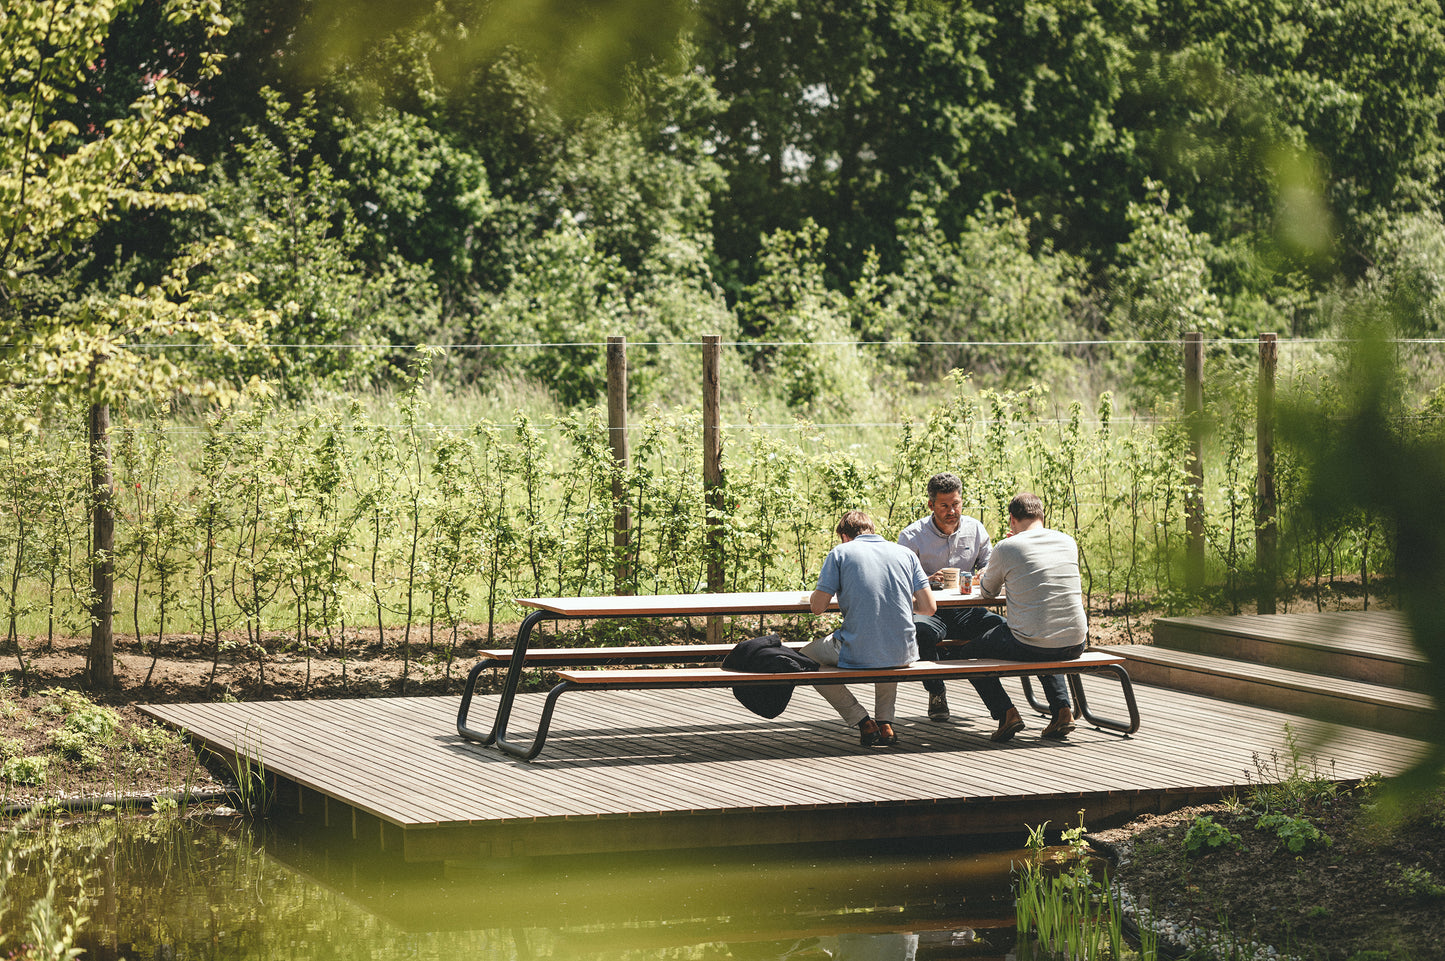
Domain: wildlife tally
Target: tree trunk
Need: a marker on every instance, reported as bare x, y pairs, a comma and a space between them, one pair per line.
101, 664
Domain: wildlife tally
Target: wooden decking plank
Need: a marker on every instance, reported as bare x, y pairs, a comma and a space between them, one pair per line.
1373, 633
1284, 677
316, 756
373, 764
331, 749
630, 754
672, 781
312, 769
422, 765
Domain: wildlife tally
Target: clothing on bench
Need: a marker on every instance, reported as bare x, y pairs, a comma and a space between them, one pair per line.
766, 655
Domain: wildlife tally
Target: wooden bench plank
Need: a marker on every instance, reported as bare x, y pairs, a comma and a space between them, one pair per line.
1090, 662
917, 671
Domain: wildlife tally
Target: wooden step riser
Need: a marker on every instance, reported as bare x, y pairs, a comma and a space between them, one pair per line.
1396, 719
1358, 667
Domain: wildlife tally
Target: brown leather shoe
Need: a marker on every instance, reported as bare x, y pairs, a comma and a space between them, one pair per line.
1008, 725
867, 732
1061, 726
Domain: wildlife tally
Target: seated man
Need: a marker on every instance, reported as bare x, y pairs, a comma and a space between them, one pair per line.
1039, 569
879, 587
947, 538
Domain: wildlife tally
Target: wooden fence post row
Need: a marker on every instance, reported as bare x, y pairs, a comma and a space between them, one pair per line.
1265, 511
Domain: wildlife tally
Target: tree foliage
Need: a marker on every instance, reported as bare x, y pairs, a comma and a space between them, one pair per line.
62, 180
957, 172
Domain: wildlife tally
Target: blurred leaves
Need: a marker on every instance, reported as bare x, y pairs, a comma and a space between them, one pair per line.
581, 47
1367, 455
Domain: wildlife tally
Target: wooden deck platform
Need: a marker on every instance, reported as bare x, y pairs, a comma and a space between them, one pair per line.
674, 769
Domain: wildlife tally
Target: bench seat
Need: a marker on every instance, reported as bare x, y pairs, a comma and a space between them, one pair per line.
662, 678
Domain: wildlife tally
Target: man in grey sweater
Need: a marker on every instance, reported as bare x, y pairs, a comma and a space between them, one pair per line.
1039, 569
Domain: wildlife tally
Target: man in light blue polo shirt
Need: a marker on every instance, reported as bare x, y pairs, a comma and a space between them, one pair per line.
879, 586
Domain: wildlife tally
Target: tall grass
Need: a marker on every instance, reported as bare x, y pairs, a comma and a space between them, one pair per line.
1063, 911
258, 528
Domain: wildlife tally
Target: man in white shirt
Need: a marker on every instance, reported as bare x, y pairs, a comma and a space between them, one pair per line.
947, 538
1039, 569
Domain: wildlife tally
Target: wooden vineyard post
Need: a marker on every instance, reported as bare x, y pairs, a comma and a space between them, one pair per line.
101, 660
1266, 516
621, 464
1194, 496
712, 474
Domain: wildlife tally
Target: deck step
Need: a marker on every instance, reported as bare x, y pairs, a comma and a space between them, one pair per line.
1343, 700
1368, 646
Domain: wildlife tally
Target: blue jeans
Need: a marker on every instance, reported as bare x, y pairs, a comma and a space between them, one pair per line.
998, 641
955, 624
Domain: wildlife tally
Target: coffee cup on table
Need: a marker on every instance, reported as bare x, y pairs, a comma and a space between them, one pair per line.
947, 578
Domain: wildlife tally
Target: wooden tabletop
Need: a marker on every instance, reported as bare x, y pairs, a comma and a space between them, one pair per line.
691, 605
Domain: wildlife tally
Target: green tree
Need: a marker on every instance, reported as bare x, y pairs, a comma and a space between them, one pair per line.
297, 236
990, 283
419, 199
1162, 291
60, 183
812, 349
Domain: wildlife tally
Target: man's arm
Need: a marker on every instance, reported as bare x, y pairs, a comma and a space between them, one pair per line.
923, 602
908, 538
991, 578
818, 601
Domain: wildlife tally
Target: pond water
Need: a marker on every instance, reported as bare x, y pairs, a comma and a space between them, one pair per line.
177, 889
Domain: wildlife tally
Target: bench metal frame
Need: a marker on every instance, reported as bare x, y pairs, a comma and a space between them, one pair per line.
943, 670
1093, 662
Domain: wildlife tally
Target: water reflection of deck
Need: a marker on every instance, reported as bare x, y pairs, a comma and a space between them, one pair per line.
633, 771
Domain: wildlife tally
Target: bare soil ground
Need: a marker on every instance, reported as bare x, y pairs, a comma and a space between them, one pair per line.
1374, 892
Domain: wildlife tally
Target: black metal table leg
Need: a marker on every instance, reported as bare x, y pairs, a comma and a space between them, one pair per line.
544, 724
1081, 702
509, 686
1038, 706
1076, 681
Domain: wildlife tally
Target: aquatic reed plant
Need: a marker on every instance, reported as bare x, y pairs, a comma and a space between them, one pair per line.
50, 918
1063, 911
253, 794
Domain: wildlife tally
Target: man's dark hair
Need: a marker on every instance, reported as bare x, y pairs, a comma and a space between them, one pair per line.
1026, 507
944, 483
853, 523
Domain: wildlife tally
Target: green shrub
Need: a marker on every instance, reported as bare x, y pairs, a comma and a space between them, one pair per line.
1415, 883
1291, 782
75, 744
99, 724
1296, 834
1206, 835
29, 769
152, 740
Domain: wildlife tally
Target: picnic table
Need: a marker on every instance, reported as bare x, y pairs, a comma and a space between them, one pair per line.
626, 607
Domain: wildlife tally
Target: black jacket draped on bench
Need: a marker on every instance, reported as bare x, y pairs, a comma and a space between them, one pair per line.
766, 655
